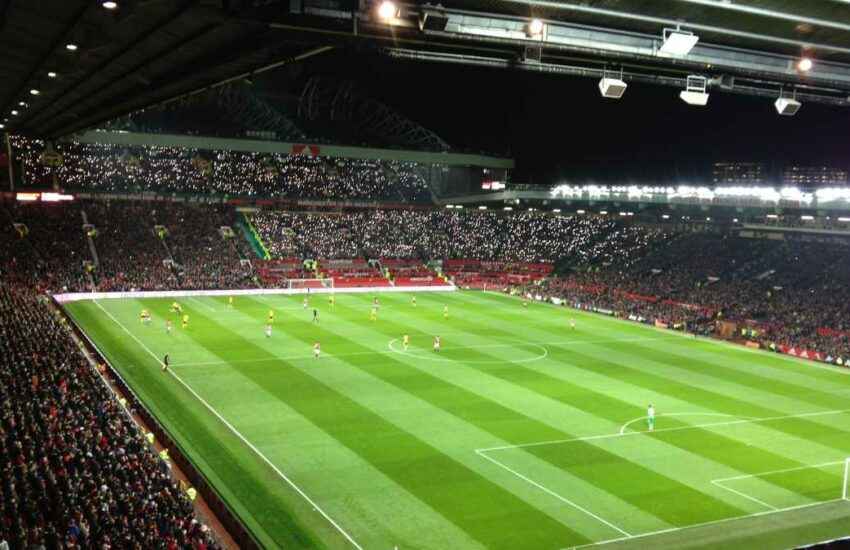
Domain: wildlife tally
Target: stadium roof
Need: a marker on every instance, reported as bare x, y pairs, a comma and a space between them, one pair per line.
149, 51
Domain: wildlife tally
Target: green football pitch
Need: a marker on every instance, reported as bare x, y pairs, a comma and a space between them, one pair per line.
520, 433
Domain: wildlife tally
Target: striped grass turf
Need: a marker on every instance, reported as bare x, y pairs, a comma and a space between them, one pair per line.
520, 433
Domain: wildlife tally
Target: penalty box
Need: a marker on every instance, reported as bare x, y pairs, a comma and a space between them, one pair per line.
632, 483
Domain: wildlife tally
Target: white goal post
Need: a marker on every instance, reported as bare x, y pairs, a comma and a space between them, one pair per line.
308, 284
846, 478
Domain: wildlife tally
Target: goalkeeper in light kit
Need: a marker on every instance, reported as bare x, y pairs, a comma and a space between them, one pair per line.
650, 417
436, 343
317, 350
268, 331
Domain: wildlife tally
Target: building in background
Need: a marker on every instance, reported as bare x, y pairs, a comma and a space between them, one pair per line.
739, 173
813, 176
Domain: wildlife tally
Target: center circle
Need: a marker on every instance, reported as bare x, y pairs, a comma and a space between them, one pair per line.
435, 356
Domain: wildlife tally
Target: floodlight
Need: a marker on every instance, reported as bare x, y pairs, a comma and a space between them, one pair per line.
14, 112
52, 74
805, 64
612, 88
678, 42
110, 5
534, 28
482, 207
2, 126
694, 92
71, 47
34, 91
387, 10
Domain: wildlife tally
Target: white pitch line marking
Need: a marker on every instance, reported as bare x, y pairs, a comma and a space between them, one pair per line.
662, 430
556, 495
237, 434
705, 523
627, 424
742, 494
771, 472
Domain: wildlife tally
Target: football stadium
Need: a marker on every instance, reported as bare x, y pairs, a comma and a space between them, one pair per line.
369, 274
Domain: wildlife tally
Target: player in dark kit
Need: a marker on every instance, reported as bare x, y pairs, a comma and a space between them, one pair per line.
315, 315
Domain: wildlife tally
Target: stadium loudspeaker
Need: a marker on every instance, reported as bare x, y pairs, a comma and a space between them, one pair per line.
613, 88
787, 106
433, 20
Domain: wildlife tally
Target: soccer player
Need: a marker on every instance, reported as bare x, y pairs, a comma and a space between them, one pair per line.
375, 302
373, 314
165, 363
317, 349
650, 417
413, 301
268, 331
315, 315
145, 317
270, 317
306, 302
185, 323
168, 326
525, 303
436, 343
445, 312
573, 324
176, 308
230, 302
332, 300
405, 341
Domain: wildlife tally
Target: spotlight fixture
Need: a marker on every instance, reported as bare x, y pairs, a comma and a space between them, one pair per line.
611, 87
387, 10
110, 5
35, 91
2, 126
694, 92
787, 106
805, 64
22, 104
677, 42
534, 28
14, 112
71, 47
52, 74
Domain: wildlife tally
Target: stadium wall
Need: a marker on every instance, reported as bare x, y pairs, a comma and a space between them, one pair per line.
76, 296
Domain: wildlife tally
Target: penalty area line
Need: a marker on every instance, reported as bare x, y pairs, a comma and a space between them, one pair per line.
250, 445
706, 523
556, 495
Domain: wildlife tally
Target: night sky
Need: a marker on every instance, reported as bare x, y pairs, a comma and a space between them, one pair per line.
559, 128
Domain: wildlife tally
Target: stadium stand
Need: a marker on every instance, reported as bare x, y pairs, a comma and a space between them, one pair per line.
77, 471
113, 169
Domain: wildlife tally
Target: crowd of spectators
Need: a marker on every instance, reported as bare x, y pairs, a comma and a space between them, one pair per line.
161, 169
442, 234
50, 244
75, 470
